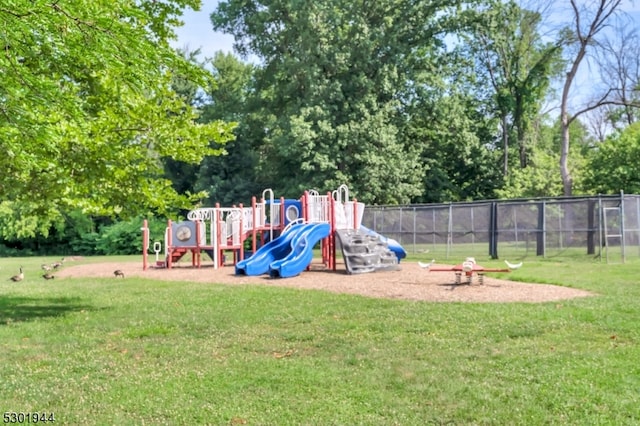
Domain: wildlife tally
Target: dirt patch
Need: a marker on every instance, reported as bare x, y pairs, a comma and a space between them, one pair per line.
411, 282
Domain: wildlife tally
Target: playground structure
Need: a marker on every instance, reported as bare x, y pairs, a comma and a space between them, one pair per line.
280, 234
469, 268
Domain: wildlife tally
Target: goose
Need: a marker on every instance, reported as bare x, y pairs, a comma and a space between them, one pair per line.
48, 276
118, 273
18, 277
513, 265
45, 267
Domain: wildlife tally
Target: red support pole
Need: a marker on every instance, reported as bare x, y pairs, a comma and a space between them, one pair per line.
218, 237
305, 206
169, 245
332, 250
355, 214
145, 245
254, 231
241, 234
198, 242
281, 225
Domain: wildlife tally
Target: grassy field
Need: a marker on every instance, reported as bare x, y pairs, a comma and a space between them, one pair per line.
136, 351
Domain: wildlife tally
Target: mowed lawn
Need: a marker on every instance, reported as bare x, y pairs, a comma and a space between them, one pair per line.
137, 351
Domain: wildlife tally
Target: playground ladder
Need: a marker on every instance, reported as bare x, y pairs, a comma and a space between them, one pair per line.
616, 233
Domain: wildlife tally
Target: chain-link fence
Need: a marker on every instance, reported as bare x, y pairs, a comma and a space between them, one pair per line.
604, 226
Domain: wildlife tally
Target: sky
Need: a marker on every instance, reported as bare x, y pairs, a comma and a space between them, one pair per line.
197, 32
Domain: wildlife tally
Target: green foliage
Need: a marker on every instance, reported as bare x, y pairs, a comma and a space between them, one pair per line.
541, 177
120, 238
231, 178
85, 244
458, 165
330, 91
87, 109
512, 55
613, 165
17, 219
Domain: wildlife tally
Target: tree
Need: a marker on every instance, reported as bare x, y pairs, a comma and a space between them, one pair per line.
621, 66
541, 179
231, 178
459, 167
511, 54
332, 82
87, 109
610, 170
450, 120
587, 32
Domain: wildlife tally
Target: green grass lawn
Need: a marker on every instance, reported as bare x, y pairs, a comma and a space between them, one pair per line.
137, 351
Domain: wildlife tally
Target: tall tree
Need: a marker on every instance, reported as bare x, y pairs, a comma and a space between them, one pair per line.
621, 66
182, 174
586, 34
332, 81
512, 55
87, 108
231, 178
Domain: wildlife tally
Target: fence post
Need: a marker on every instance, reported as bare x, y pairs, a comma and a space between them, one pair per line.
591, 224
622, 228
540, 246
493, 231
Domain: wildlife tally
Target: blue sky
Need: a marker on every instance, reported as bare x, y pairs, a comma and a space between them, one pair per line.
197, 32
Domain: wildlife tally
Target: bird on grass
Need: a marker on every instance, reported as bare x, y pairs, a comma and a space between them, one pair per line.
45, 267
18, 277
118, 273
48, 276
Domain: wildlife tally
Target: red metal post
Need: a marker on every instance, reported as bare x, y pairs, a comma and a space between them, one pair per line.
145, 245
196, 255
355, 214
254, 231
169, 245
242, 238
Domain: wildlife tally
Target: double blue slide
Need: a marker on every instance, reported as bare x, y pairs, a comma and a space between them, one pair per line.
288, 255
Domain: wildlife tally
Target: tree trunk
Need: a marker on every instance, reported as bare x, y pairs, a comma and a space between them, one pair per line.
567, 181
505, 140
600, 16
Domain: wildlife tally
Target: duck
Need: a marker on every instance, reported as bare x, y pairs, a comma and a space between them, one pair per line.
118, 273
18, 277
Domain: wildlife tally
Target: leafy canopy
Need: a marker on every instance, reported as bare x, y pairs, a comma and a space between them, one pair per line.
87, 109
613, 165
332, 83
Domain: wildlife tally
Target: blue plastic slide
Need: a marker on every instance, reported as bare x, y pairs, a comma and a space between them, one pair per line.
275, 249
392, 244
301, 253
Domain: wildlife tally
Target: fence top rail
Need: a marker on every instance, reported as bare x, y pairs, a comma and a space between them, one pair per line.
559, 200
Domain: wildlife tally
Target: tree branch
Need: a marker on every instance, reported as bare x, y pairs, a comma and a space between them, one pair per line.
15, 14
602, 102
